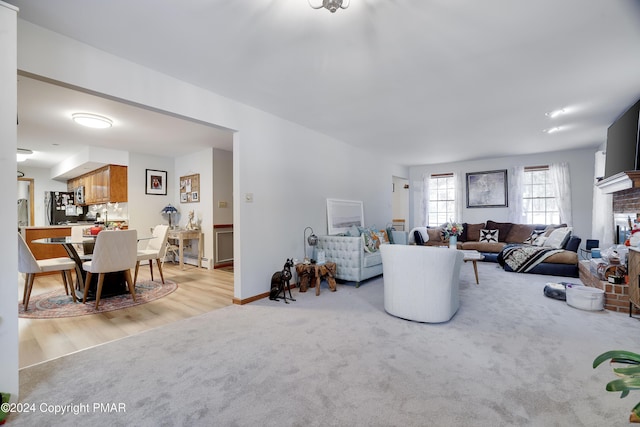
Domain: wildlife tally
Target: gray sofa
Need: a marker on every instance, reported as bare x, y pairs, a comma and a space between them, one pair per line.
353, 263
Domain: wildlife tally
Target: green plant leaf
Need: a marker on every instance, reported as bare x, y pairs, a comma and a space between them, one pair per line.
620, 356
624, 385
633, 371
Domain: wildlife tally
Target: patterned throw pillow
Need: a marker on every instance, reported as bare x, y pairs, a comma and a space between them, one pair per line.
370, 244
535, 234
489, 236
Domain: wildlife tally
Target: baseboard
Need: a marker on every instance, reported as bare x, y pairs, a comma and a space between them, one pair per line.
250, 299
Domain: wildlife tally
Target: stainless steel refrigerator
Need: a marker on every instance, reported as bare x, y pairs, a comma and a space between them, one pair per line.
61, 208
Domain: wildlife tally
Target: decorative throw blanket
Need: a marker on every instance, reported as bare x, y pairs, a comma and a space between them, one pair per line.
522, 258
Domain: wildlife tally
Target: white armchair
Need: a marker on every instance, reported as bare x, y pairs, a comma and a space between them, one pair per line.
421, 282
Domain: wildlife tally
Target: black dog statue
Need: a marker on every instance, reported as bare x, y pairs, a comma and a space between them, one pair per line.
280, 282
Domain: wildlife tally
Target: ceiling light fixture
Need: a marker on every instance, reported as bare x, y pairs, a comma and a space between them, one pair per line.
92, 120
22, 154
332, 5
552, 130
556, 113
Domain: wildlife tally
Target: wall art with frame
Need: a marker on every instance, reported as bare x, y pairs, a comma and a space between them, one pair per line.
156, 182
344, 214
487, 189
190, 188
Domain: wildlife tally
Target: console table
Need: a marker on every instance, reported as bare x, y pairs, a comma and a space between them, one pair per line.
181, 236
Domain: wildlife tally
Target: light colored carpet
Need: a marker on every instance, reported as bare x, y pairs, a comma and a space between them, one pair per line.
510, 357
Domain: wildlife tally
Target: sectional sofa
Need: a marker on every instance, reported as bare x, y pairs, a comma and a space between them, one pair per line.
560, 263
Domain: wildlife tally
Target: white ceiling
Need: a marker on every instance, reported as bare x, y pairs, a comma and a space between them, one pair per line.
416, 81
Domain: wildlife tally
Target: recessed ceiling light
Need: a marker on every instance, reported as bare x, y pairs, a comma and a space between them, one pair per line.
92, 120
552, 130
556, 113
22, 154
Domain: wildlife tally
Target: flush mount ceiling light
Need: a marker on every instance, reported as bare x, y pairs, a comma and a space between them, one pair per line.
92, 120
556, 113
22, 154
552, 130
332, 5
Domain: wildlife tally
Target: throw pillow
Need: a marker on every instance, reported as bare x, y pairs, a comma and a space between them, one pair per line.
558, 237
489, 236
435, 234
418, 237
504, 228
390, 234
533, 237
540, 240
383, 237
353, 231
368, 241
473, 231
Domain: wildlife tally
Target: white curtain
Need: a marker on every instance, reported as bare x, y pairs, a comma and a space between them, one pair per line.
561, 182
425, 199
602, 225
516, 190
459, 181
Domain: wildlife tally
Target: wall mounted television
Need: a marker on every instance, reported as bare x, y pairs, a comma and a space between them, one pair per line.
622, 143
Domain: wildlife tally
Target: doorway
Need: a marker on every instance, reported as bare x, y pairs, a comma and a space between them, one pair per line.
25, 202
400, 203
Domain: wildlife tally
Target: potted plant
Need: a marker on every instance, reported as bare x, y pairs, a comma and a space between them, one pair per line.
452, 230
629, 376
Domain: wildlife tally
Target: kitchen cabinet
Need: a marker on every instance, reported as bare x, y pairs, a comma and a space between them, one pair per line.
103, 185
41, 251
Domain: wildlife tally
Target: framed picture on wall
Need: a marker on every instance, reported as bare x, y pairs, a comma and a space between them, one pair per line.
487, 189
190, 188
343, 214
156, 182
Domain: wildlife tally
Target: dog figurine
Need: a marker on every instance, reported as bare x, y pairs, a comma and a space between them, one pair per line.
280, 282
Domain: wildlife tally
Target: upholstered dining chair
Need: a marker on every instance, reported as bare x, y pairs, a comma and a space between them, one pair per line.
155, 250
114, 251
29, 265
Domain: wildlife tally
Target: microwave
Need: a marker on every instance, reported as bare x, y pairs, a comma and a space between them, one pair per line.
79, 195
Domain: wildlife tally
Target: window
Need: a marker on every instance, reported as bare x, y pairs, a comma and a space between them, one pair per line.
538, 198
442, 199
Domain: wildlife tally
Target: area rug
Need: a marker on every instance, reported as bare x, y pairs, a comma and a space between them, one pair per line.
56, 303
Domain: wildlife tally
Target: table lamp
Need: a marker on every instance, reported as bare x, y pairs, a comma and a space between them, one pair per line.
312, 240
170, 210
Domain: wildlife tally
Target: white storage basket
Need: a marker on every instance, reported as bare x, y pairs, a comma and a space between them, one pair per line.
585, 297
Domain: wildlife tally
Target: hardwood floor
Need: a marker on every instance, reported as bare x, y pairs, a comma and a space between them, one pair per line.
199, 291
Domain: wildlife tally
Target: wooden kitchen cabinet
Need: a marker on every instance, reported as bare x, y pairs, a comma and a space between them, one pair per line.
107, 184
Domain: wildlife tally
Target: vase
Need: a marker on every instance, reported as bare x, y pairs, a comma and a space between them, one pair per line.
453, 242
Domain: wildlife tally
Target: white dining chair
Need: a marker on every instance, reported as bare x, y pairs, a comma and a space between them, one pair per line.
114, 251
155, 250
77, 236
29, 265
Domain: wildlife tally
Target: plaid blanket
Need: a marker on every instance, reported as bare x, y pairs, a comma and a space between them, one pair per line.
522, 258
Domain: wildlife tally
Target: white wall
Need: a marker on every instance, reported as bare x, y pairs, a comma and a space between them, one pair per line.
581, 164
42, 183
9, 258
222, 186
144, 209
288, 194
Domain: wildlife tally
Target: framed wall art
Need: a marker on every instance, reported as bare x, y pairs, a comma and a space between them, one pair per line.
190, 188
487, 189
156, 182
343, 214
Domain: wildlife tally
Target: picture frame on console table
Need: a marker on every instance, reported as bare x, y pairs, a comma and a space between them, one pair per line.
487, 189
344, 214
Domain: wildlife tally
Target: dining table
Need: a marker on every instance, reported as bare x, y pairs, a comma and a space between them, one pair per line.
114, 283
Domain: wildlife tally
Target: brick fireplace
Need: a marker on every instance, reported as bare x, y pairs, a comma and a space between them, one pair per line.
626, 203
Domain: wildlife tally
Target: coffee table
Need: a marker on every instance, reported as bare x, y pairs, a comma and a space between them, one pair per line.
474, 257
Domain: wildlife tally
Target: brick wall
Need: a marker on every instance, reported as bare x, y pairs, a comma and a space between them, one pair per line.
616, 297
626, 201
